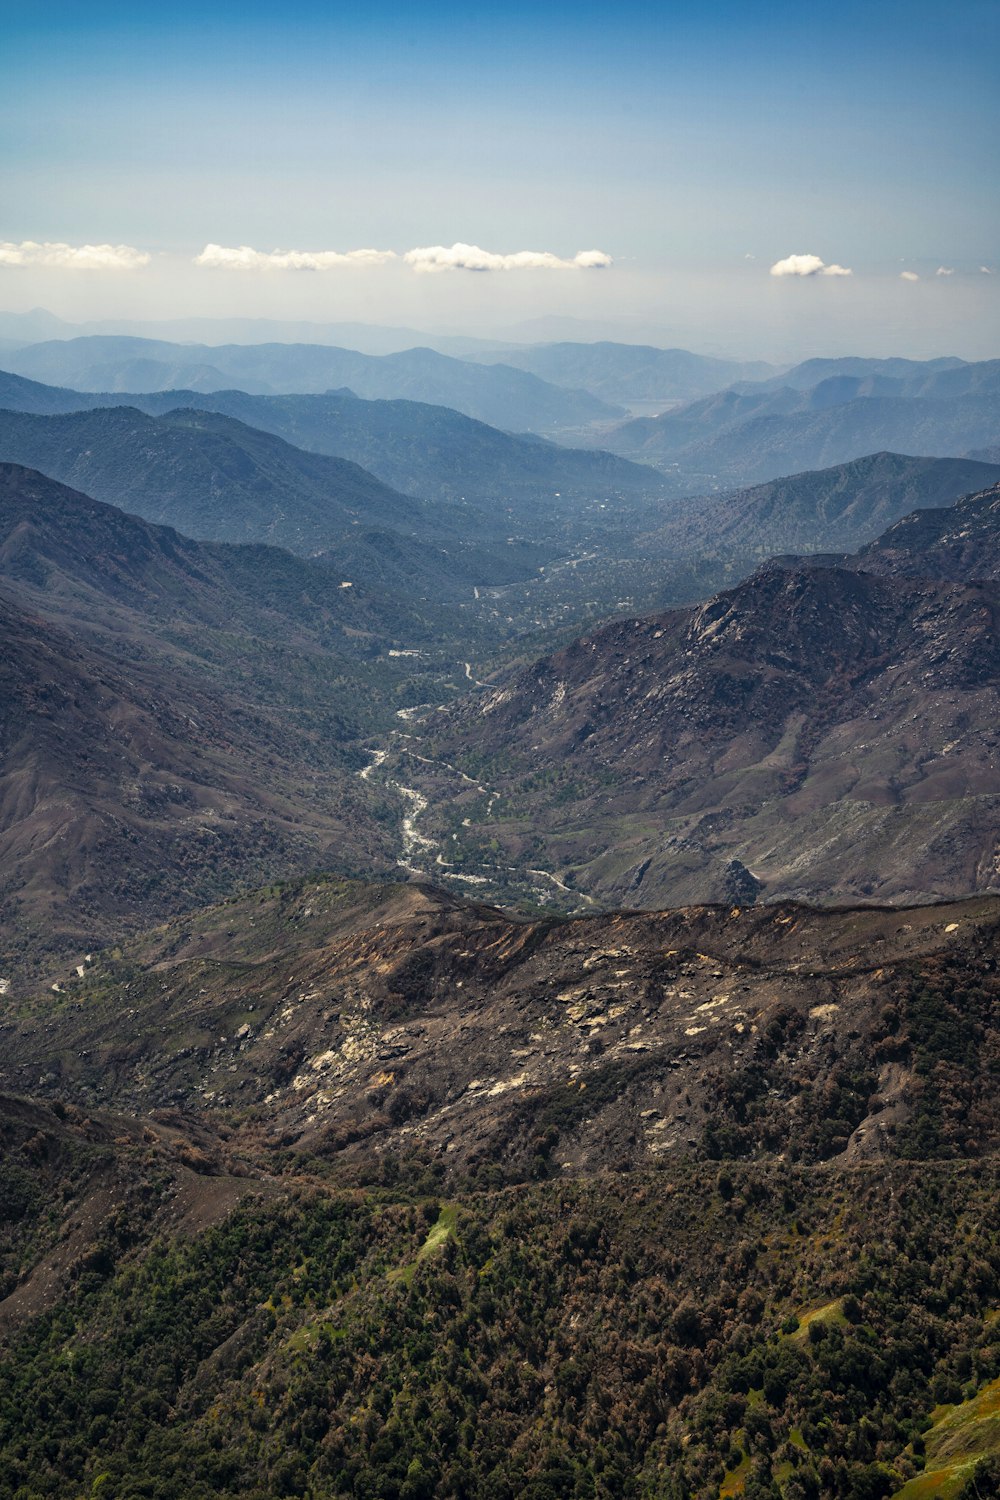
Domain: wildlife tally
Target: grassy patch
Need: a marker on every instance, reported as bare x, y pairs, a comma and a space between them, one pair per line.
959, 1438
439, 1233
735, 1481
829, 1313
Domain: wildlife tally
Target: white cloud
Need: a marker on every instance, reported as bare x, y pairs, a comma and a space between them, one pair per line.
471, 258
945, 271
808, 265
909, 276
244, 258
73, 257
986, 270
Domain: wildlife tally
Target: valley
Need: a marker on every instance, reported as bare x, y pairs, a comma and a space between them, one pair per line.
500, 752
470, 904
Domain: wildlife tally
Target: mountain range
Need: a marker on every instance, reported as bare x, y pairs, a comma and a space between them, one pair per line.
755, 432
819, 731
497, 394
334, 1182
839, 508
630, 374
424, 450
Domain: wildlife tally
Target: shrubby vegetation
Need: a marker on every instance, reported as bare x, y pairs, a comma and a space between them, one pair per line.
644, 1336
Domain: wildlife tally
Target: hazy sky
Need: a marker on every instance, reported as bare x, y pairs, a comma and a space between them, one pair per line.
697, 146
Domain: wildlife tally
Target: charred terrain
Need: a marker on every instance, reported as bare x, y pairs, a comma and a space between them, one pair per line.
615, 1114
341, 1189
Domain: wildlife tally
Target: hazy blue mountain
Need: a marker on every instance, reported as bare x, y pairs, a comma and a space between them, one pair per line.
216, 478
368, 338
209, 476
811, 371
835, 509
431, 450
17, 393
755, 433
498, 394
417, 448
766, 447
629, 373
79, 556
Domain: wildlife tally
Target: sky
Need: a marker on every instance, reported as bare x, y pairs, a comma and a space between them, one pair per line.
704, 174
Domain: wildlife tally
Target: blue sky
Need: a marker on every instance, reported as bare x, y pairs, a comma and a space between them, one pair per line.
696, 145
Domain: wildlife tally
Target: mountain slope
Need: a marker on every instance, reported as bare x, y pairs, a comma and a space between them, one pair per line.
432, 451
629, 373
497, 1208
130, 790
913, 373
436, 991
828, 510
187, 712
765, 447
962, 541
834, 733
207, 475
497, 394
753, 433
423, 450
70, 552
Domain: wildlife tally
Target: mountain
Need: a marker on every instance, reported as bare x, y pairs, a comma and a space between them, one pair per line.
631, 373
215, 477
339, 1188
179, 717
756, 433
816, 731
20, 329
827, 510
958, 542
19, 394
422, 450
433, 452
81, 553
449, 987
207, 475
130, 790
811, 372
497, 394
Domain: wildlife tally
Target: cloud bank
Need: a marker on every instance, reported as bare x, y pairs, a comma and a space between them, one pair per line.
460, 257
73, 257
457, 257
808, 265
244, 258
908, 276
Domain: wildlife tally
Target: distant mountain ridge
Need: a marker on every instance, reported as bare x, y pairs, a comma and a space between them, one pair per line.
624, 373
810, 372
420, 449
498, 394
751, 434
208, 475
842, 507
